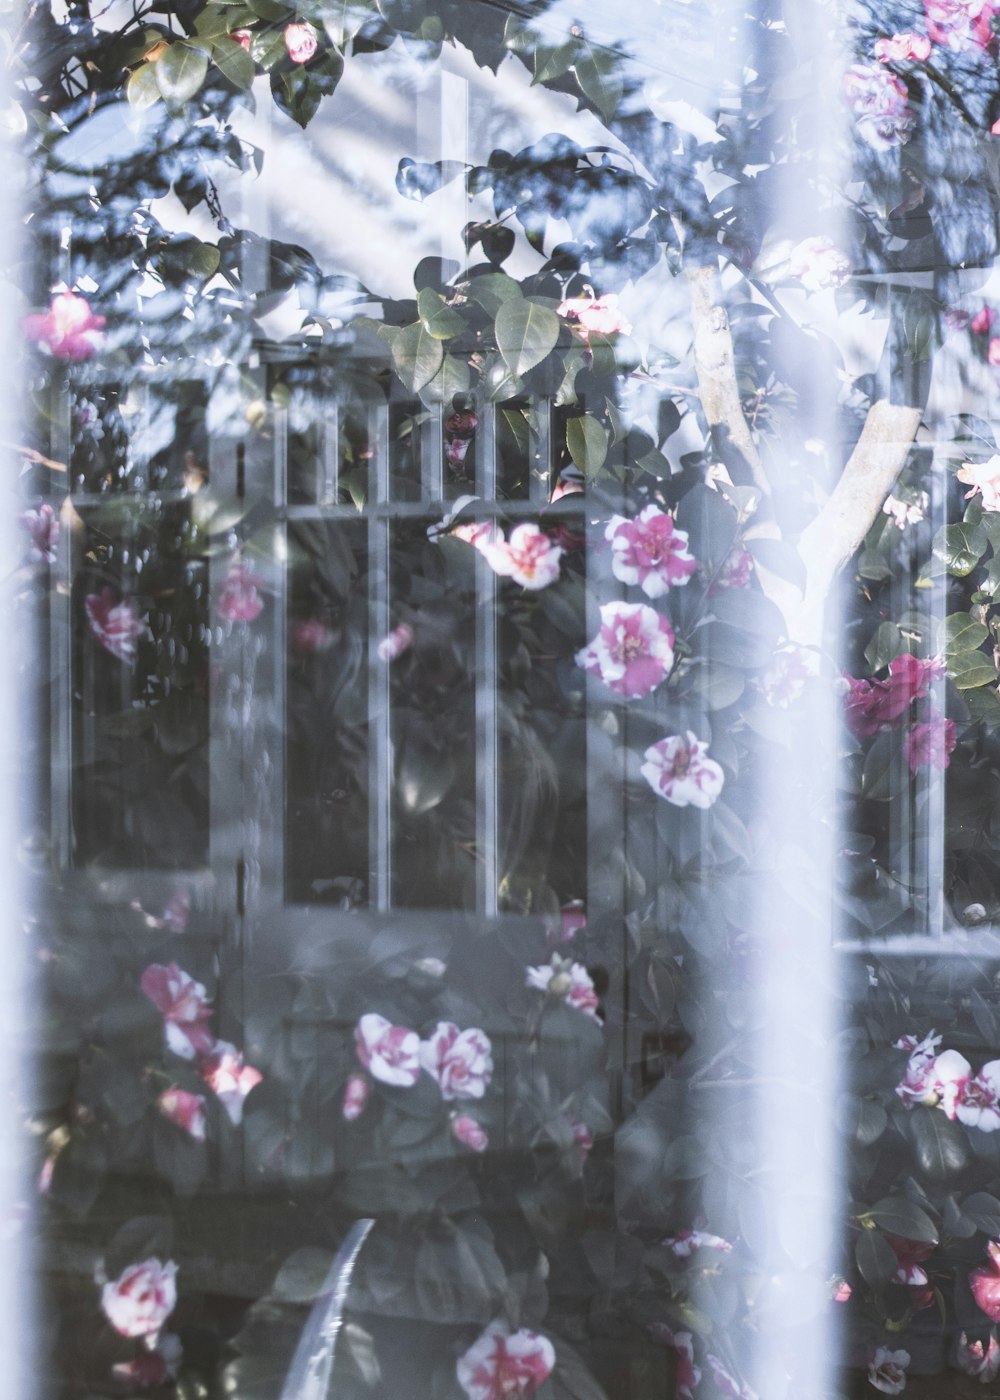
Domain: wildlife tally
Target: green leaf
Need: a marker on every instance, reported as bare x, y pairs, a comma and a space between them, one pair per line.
438, 319
960, 548
962, 633
883, 772
598, 73
876, 1259
710, 524
343, 18
417, 356
180, 72
984, 1212
942, 1147
900, 1216
452, 378
526, 333
271, 10
423, 777
234, 63
492, 290
553, 61
719, 685
142, 88
587, 442
885, 645
971, 668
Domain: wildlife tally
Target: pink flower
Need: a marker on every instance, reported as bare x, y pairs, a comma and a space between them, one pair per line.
390, 1053
505, 1365
977, 1103
177, 910
918, 1083
910, 1257
456, 450
311, 635
356, 1093
572, 920
880, 104
141, 1299
460, 1061
185, 1007
529, 557
243, 37
735, 571
961, 25
993, 352
903, 513
469, 1133
237, 599
42, 526
594, 315
975, 1359
116, 624
840, 1289
786, 678
686, 1242
152, 1367
902, 47
951, 1075
400, 639
184, 1109
229, 1078
69, 330
566, 981
983, 477
633, 651
982, 322
301, 41
680, 770
929, 743
650, 551
818, 264
869, 705
887, 1370
727, 1382
687, 1373
583, 1138
461, 424
985, 1284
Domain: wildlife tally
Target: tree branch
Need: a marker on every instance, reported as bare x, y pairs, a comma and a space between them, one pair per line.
715, 363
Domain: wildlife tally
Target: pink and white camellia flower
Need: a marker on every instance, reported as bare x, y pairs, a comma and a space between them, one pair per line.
115, 623
594, 315
69, 330
356, 1092
185, 1007
243, 37
961, 25
505, 1365
993, 350
880, 103
529, 557
391, 1054
929, 743
42, 526
311, 635
237, 599
229, 1078
982, 322
650, 551
735, 571
469, 1133
686, 1242
565, 981
983, 477
818, 264
977, 1358
977, 1101
633, 651
678, 768
583, 1138
985, 1283
903, 513
903, 47
786, 677
687, 1374
301, 41
918, 1084
461, 1062
140, 1300
153, 1367
727, 1382
184, 1109
887, 1370
392, 646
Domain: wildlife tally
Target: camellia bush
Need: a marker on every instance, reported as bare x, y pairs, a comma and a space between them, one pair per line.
707, 410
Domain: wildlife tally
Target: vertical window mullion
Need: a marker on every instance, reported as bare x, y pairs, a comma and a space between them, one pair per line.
486, 678
379, 689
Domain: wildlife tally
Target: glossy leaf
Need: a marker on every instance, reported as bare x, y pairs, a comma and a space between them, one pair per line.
417, 355
180, 72
587, 441
526, 333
